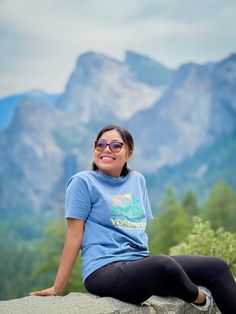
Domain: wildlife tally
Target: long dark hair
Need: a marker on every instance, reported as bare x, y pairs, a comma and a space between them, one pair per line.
126, 137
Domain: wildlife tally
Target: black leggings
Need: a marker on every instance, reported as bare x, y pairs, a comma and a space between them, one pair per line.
135, 281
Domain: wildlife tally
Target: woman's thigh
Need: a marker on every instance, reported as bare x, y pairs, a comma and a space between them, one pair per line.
135, 281
115, 281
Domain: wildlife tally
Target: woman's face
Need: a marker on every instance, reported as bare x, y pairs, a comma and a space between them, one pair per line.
107, 161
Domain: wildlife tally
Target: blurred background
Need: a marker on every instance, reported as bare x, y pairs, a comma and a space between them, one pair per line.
165, 70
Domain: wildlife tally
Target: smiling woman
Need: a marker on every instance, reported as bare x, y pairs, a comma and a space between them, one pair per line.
113, 149
107, 210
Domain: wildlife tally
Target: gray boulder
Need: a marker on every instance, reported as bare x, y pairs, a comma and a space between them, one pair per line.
84, 303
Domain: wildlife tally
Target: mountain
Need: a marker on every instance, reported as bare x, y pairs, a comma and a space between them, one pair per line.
101, 88
199, 172
224, 96
174, 115
7, 109
9, 104
197, 107
30, 157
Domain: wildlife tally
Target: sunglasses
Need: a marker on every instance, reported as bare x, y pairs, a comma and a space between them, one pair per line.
115, 147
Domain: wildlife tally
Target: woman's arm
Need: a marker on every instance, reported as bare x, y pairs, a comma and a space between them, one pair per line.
69, 255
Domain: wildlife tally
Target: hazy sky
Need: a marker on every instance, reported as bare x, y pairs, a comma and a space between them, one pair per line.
41, 39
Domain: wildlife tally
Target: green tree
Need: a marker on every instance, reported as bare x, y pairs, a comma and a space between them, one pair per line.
190, 204
203, 240
170, 227
220, 207
20, 233
16, 265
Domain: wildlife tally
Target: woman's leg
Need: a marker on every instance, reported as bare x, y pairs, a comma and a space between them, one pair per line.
112, 281
135, 281
213, 273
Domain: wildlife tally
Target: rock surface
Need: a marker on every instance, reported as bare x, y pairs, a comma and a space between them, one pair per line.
84, 303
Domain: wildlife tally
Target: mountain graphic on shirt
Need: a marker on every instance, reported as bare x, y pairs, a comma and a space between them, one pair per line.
127, 207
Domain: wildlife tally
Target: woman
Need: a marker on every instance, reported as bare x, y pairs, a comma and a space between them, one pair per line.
106, 211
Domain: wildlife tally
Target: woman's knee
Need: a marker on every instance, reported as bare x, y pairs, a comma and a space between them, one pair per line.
165, 265
219, 265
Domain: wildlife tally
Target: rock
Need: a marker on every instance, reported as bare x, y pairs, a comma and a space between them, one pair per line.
85, 303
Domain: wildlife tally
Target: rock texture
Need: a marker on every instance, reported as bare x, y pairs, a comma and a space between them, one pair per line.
84, 303
100, 88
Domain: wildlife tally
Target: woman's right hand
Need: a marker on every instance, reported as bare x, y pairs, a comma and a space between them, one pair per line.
45, 292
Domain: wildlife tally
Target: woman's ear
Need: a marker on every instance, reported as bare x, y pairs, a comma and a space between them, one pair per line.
129, 155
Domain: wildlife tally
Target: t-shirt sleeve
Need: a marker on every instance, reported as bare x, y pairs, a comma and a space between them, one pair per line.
77, 200
146, 202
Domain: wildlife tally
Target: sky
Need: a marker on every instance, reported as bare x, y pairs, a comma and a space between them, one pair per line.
42, 39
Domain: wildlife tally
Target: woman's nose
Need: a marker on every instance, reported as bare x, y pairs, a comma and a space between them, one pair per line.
107, 149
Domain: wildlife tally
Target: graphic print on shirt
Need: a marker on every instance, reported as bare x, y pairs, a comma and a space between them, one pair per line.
127, 212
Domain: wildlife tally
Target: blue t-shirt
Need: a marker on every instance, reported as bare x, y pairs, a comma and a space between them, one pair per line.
116, 210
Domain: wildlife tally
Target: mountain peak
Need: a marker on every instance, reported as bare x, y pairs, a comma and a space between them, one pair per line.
101, 86
147, 70
94, 59
138, 57
230, 58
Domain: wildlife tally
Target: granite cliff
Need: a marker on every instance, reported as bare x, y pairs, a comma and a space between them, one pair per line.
171, 113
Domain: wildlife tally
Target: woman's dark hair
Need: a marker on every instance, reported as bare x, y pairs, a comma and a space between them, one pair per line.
128, 141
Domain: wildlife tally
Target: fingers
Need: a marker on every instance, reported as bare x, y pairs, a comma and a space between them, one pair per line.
45, 292
36, 293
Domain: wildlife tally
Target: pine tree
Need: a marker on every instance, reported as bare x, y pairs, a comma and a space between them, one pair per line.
170, 227
220, 207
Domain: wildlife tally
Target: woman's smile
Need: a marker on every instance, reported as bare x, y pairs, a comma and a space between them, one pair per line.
109, 158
